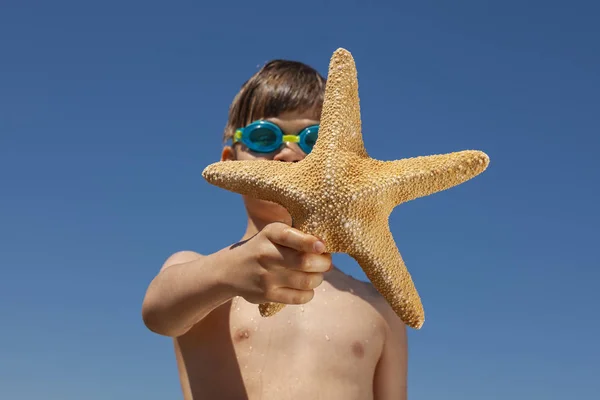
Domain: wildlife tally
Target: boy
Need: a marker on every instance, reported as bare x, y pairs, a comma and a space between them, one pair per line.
337, 339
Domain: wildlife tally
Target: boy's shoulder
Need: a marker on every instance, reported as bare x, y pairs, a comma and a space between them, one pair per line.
363, 289
181, 257
367, 292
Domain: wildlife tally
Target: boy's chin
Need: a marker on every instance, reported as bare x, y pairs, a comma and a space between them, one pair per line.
267, 210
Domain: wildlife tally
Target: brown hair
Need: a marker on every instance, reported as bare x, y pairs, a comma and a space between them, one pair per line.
279, 86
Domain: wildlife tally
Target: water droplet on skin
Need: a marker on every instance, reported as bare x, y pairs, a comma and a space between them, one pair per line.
327, 337
250, 348
301, 309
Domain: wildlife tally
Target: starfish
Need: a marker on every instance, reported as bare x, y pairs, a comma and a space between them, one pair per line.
344, 197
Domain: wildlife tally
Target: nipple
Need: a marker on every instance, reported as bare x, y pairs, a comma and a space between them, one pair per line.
241, 334
358, 349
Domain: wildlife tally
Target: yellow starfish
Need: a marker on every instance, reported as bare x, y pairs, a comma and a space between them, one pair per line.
341, 195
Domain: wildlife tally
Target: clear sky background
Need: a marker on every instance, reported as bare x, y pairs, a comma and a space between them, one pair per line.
109, 111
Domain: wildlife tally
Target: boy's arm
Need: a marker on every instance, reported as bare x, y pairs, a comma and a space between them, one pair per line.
187, 288
391, 373
279, 264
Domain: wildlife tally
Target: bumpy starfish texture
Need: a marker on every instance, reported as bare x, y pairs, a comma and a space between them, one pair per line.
341, 195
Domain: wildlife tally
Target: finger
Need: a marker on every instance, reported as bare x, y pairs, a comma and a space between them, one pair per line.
287, 236
285, 295
299, 280
307, 262
314, 262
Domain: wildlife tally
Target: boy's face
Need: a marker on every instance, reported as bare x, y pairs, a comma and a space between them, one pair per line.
291, 123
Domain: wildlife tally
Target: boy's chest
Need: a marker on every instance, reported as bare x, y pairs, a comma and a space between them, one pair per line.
326, 330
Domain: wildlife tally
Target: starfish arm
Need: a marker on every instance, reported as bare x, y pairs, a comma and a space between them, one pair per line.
411, 178
340, 126
270, 309
381, 261
264, 179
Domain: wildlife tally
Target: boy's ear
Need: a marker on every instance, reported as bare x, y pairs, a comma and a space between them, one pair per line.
228, 154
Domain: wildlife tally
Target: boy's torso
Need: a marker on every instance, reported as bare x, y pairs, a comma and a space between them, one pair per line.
327, 349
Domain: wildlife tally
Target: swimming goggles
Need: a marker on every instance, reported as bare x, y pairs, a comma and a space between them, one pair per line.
266, 137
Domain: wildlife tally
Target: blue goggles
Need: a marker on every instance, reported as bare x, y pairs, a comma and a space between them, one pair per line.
266, 137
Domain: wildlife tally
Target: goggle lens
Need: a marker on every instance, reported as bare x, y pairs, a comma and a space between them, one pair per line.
311, 138
263, 137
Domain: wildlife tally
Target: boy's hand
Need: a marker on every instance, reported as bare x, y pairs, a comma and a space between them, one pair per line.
283, 265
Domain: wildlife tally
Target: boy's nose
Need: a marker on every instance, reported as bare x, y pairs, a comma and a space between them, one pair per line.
289, 153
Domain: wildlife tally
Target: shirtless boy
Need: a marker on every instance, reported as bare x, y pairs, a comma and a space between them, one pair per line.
337, 339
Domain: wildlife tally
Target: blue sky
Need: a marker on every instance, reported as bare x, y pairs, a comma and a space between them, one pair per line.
110, 111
